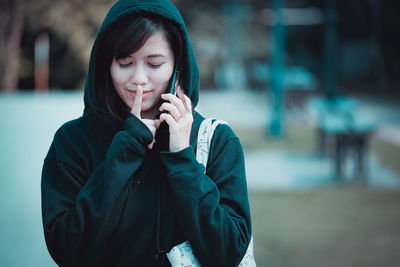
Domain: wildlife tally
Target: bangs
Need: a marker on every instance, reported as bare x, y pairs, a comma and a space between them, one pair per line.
130, 35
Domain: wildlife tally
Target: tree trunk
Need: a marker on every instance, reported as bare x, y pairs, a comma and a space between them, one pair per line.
11, 27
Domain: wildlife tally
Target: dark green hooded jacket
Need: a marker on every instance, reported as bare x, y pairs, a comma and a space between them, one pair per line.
107, 200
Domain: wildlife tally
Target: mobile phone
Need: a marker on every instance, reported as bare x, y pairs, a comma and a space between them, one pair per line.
172, 85
173, 80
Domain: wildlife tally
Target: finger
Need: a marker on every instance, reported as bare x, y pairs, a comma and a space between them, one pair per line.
176, 86
172, 109
158, 123
176, 101
168, 119
187, 102
181, 96
180, 92
137, 102
151, 125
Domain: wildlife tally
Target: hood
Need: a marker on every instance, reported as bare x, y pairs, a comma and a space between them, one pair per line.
124, 7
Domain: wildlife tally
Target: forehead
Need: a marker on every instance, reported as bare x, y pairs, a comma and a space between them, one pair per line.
157, 43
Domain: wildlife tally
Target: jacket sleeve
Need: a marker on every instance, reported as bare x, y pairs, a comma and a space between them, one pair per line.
81, 210
212, 209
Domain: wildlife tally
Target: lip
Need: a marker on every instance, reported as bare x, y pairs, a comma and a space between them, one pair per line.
133, 93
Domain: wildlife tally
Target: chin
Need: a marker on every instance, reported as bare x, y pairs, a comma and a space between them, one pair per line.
145, 108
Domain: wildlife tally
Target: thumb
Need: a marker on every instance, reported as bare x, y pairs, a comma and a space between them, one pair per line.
157, 123
137, 102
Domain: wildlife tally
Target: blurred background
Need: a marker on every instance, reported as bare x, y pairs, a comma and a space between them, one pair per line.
312, 89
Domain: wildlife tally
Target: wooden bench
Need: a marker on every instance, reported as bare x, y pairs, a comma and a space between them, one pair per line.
349, 132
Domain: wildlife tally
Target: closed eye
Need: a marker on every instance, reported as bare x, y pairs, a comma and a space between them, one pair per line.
124, 65
155, 66
124, 62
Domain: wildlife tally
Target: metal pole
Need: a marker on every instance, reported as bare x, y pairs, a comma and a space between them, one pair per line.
331, 46
232, 66
278, 69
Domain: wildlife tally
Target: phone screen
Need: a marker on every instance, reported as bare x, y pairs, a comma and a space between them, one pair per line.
173, 80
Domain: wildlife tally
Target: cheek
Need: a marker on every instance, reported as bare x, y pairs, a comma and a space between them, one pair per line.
162, 79
119, 77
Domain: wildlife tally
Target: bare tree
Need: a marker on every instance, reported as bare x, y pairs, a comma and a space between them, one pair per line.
84, 19
12, 17
11, 27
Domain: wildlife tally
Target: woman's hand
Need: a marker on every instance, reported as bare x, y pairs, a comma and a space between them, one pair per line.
136, 110
179, 118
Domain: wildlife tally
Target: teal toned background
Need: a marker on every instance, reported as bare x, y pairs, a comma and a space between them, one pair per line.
28, 125
266, 67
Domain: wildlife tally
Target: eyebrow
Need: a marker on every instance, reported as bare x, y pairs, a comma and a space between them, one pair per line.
155, 55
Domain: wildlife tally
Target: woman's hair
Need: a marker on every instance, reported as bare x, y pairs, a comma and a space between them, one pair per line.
124, 38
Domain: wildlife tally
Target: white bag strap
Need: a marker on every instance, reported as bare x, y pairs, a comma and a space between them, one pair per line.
206, 132
182, 254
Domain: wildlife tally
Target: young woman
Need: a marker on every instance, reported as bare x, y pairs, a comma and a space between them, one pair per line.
121, 185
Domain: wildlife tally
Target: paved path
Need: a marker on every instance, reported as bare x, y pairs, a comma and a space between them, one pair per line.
280, 170
28, 123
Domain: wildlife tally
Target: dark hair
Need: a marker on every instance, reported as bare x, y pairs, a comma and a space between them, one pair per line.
124, 38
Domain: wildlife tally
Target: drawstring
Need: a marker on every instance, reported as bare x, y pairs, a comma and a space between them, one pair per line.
162, 138
160, 252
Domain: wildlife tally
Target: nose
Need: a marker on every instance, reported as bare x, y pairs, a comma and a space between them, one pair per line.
139, 76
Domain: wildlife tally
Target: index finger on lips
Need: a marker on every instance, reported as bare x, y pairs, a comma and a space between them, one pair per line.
137, 102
